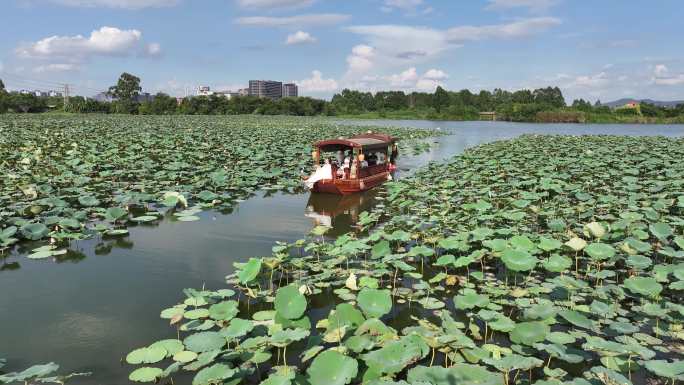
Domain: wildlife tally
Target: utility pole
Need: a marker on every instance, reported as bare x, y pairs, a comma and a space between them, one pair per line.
66, 95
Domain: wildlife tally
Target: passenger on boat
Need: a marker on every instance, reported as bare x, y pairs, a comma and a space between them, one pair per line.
363, 161
342, 171
340, 157
381, 157
372, 159
322, 173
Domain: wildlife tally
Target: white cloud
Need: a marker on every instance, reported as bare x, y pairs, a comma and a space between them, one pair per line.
435, 74
408, 6
300, 37
533, 5
596, 80
516, 29
324, 19
396, 46
102, 42
153, 49
407, 80
316, 83
122, 4
360, 60
267, 4
57, 67
663, 77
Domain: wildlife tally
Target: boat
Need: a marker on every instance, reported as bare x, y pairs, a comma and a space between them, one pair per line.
355, 164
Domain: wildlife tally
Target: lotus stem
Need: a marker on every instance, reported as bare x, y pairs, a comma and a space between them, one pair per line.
432, 360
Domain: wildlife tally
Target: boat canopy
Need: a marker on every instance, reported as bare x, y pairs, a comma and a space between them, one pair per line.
364, 142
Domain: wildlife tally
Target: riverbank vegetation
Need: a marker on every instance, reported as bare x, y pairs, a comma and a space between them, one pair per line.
73, 176
542, 105
545, 260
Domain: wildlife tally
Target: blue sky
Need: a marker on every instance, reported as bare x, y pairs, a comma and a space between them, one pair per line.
605, 49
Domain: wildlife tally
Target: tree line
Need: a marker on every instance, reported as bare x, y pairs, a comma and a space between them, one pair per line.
542, 104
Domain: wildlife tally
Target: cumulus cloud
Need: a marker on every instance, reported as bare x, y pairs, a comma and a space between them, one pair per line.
408, 6
597, 80
300, 37
267, 4
122, 4
361, 59
516, 29
153, 49
324, 19
407, 80
106, 41
533, 5
317, 84
663, 77
399, 45
57, 67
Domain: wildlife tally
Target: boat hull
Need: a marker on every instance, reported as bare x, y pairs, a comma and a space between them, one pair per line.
350, 186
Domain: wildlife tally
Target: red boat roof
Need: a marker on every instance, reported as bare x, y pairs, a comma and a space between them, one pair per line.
365, 141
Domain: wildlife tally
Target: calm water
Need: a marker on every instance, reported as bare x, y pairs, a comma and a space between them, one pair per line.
90, 309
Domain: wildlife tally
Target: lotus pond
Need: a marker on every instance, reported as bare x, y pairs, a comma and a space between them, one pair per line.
427, 244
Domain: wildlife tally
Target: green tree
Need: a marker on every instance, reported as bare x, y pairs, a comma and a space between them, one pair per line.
126, 90
440, 99
3, 98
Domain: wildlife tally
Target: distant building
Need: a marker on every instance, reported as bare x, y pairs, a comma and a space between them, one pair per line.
204, 91
144, 97
266, 89
54, 94
290, 90
631, 105
104, 97
243, 92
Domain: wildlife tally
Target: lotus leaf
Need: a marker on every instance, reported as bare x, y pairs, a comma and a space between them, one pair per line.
214, 374
145, 374
250, 270
518, 260
204, 342
290, 303
374, 302
456, 374
645, 286
529, 333
332, 368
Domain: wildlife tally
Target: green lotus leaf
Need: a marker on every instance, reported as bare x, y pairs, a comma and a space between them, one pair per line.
238, 328
599, 251
290, 303
396, 355
669, 370
35, 371
456, 374
469, 299
204, 341
380, 250
196, 313
88, 201
374, 302
224, 311
114, 214
549, 244
576, 244
172, 346
147, 355
215, 374
249, 271
557, 263
529, 332
645, 286
332, 368
33, 231
145, 374
576, 318
518, 260
346, 315
661, 230
184, 356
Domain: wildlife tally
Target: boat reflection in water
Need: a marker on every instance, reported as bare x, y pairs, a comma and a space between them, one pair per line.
339, 212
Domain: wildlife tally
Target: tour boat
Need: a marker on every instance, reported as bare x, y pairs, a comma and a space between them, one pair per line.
365, 161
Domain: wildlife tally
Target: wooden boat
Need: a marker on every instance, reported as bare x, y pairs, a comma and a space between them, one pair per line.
362, 174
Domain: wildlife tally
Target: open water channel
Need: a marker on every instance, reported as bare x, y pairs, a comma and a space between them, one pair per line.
87, 310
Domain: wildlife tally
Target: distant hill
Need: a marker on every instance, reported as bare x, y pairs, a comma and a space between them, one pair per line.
622, 102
